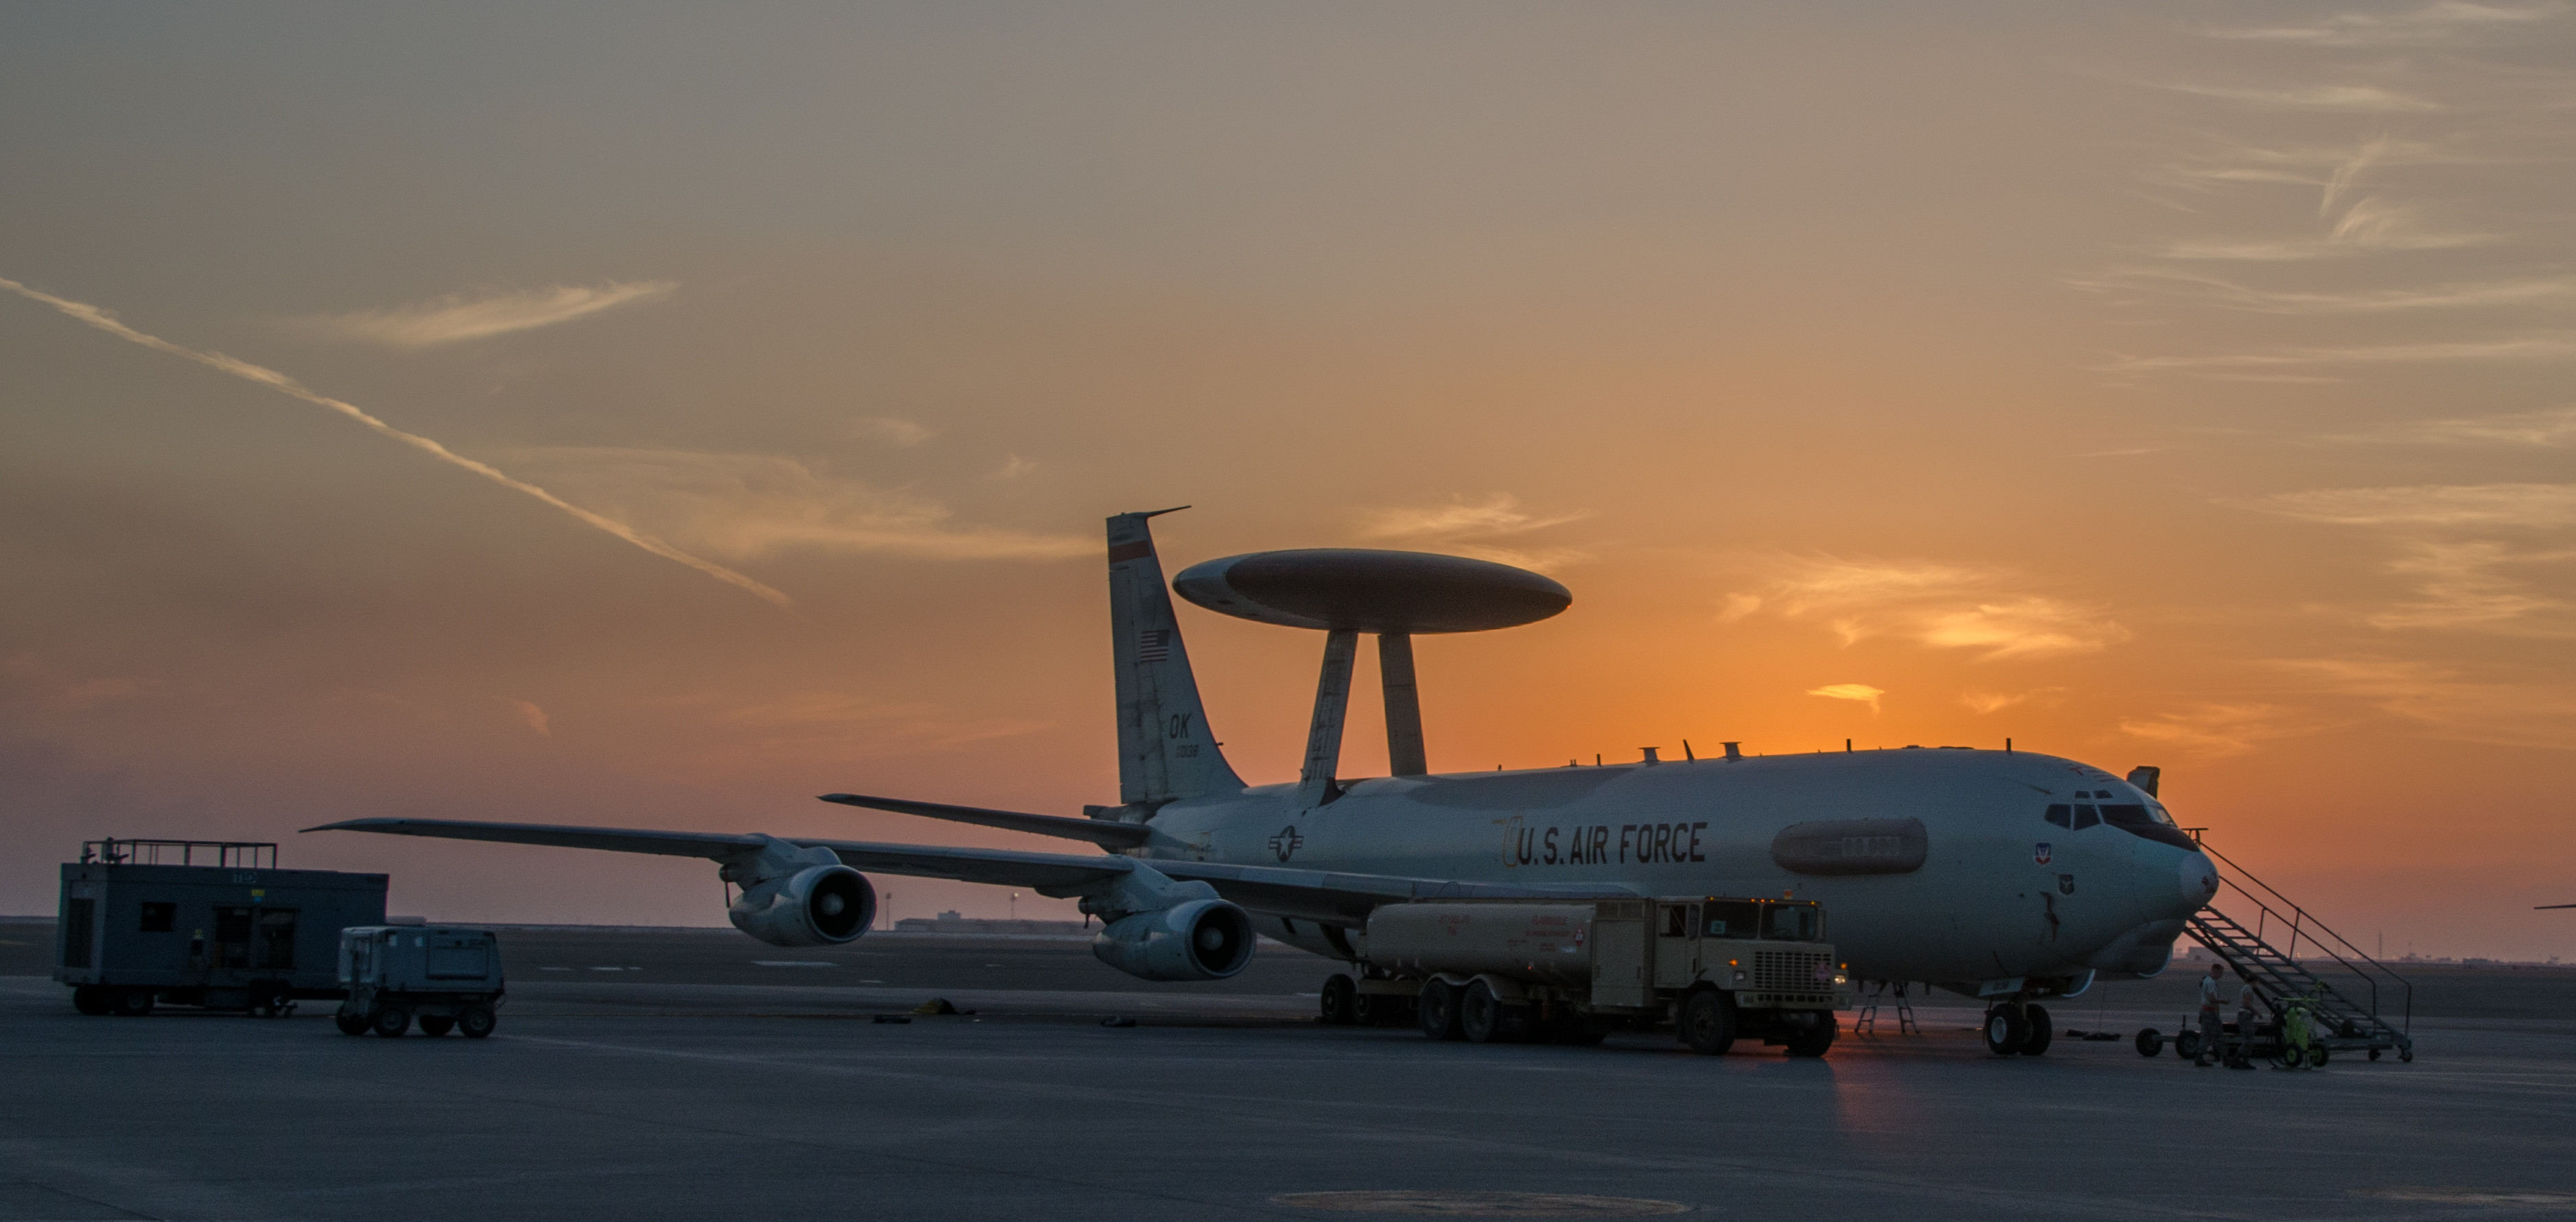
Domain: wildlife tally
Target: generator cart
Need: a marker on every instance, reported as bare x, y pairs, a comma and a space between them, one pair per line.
207, 923
441, 976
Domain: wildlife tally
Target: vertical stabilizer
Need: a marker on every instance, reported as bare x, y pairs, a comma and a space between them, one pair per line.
1165, 750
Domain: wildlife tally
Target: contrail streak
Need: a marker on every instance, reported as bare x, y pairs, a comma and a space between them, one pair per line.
104, 321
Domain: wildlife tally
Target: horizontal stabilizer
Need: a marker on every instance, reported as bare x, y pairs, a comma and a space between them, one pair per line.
1101, 832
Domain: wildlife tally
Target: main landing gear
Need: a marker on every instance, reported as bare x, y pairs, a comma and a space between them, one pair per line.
2018, 1028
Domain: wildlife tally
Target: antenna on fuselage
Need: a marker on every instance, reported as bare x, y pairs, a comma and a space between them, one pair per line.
1348, 591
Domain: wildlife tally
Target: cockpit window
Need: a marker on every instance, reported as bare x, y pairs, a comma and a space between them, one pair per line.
2085, 817
2060, 814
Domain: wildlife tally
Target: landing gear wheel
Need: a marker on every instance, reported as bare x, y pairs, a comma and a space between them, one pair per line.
2187, 1045
2041, 1033
134, 1003
2149, 1043
93, 1000
1813, 1041
350, 1024
436, 1024
475, 1022
1338, 995
1708, 1022
1437, 1010
1480, 1014
389, 1021
2006, 1030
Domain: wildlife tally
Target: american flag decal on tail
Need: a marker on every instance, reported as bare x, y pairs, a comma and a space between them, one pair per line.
1154, 645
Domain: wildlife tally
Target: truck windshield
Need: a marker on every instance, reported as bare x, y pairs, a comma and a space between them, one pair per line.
1793, 924
1732, 919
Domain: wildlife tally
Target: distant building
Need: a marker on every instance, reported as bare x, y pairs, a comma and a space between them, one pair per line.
951, 922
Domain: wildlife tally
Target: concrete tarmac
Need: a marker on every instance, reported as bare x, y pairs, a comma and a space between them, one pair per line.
735, 1087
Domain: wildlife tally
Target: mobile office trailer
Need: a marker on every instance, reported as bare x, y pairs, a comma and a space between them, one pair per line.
146, 921
1717, 968
442, 976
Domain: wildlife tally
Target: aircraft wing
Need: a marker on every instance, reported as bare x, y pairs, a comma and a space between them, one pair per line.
1313, 895
1102, 832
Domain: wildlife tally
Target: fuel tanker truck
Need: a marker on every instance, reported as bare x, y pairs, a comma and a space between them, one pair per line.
1571, 971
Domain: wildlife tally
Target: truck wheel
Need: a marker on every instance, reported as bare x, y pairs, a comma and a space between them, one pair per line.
475, 1021
134, 1003
1480, 1014
93, 1000
2041, 1033
436, 1024
350, 1024
2006, 1030
1437, 1008
1338, 995
2149, 1043
1813, 1041
389, 1021
1708, 1023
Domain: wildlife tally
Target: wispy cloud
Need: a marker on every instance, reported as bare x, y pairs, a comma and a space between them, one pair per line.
458, 317
2551, 428
1489, 528
754, 506
2352, 99
1946, 606
2443, 24
2216, 729
1013, 466
2220, 291
839, 725
1983, 702
889, 430
2438, 505
2443, 700
1861, 692
2528, 348
2460, 580
531, 716
104, 321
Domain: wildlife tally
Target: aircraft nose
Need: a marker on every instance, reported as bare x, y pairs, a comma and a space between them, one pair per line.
2199, 878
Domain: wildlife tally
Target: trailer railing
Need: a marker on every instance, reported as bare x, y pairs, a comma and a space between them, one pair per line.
229, 854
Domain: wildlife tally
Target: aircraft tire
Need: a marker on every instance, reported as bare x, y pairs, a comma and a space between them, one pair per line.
1480, 1015
1338, 996
2041, 1033
1437, 1010
1708, 1023
2006, 1030
1813, 1041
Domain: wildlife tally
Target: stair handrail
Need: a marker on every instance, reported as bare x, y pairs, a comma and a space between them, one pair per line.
2313, 926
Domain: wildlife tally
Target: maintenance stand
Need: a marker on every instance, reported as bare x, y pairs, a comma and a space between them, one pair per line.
144, 922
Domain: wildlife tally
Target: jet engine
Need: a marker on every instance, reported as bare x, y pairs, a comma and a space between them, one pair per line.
1202, 939
816, 906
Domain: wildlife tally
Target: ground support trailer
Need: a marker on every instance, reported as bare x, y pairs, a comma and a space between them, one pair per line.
1716, 969
145, 922
442, 977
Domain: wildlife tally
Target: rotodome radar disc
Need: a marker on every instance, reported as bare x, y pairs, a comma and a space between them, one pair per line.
1360, 590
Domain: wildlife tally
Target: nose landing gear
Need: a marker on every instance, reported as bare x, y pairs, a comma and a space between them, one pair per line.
2018, 1028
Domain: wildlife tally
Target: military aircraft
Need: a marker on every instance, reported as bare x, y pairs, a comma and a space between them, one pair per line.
2009, 876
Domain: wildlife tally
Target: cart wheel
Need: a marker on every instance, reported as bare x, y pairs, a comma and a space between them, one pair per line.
2149, 1043
350, 1024
2187, 1045
436, 1024
134, 1003
389, 1021
475, 1021
2374, 1054
1437, 1008
2317, 1057
1338, 995
93, 1000
2406, 1054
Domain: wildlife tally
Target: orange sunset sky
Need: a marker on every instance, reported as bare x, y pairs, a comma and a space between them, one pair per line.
2182, 385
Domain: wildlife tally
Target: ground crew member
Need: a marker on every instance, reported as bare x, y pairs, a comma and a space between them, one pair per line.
2212, 1039
2242, 1056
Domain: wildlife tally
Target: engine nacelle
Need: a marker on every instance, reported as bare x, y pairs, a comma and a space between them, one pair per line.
817, 906
1202, 939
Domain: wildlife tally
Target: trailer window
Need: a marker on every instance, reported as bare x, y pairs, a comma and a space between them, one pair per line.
158, 917
1732, 920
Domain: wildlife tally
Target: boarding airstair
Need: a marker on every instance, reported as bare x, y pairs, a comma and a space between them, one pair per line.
2350, 994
